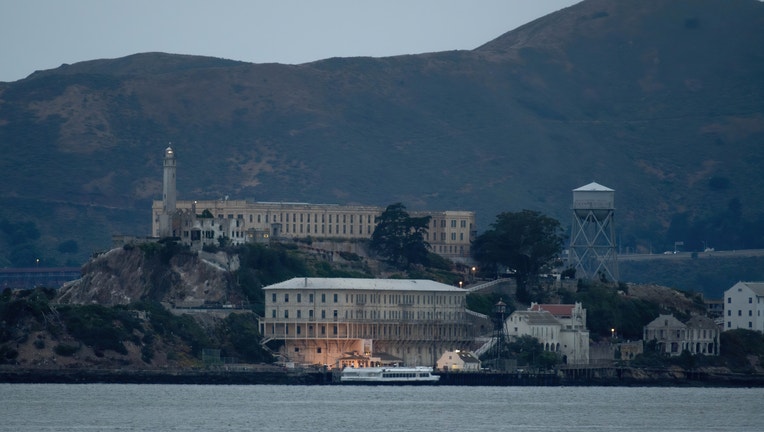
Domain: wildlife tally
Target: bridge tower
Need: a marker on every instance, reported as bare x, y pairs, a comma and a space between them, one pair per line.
592, 250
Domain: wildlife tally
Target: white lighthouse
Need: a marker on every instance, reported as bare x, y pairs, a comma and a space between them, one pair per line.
168, 194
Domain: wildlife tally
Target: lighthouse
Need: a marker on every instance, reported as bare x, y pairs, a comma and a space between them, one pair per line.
168, 194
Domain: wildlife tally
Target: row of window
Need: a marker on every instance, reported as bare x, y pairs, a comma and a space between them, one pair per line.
750, 324
373, 314
462, 223
448, 331
750, 300
393, 299
306, 229
740, 313
303, 217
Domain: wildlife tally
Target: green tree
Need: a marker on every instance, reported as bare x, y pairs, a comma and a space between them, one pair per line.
523, 241
400, 238
529, 351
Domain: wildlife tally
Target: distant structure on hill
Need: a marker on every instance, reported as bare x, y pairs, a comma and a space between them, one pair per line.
204, 222
592, 250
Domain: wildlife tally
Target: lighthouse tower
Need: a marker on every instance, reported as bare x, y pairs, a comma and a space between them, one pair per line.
592, 250
168, 194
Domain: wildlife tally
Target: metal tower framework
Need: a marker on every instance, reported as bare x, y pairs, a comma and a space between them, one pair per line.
592, 250
499, 335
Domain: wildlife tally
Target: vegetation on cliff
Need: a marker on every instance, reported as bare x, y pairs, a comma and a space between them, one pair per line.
35, 332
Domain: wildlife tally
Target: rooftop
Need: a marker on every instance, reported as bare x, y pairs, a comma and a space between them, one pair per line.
364, 284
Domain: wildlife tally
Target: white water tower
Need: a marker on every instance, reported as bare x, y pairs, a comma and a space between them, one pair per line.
592, 250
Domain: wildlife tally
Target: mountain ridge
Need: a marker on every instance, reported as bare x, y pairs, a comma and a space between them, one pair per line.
660, 101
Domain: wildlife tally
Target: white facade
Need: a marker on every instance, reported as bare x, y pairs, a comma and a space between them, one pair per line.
321, 320
744, 306
560, 328
574, 336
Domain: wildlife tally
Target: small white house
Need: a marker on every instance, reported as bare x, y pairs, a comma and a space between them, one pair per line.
458, 361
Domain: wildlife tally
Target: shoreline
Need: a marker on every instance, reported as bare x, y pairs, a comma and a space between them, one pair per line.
622, 377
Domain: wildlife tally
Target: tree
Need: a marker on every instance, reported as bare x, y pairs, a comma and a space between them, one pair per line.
523, 241
529, 351
399, 238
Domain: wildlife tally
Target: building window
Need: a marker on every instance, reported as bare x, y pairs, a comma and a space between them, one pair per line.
729, 313
335, 298
273, 297
273, 314
464, 224
298, 332
335, 314
299, 313
286, 313
323, 298
310, 314
739, 312
318, 350
335, 330
750, 300
286, 298
323, 314
729, 299
310, 298
299, 298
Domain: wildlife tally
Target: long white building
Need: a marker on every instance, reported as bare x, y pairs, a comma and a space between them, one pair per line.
319, 321
201, 222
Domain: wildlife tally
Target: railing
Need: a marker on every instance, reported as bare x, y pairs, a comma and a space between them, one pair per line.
485, 285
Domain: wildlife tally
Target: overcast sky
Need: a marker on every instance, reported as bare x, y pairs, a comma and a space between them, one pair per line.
43, 34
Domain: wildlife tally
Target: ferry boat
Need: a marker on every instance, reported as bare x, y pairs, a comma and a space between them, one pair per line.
388, 375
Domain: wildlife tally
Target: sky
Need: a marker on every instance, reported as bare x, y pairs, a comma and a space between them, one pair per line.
43, 34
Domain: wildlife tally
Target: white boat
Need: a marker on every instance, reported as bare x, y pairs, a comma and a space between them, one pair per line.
388, 375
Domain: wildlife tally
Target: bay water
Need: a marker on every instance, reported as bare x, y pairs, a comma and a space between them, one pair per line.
126, 407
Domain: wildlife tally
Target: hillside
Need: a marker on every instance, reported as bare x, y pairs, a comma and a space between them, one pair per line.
157, 306
661, 101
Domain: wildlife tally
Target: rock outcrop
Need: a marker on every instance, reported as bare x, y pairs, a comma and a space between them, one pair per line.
125, 275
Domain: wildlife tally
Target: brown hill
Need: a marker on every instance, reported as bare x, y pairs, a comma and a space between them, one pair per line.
661, 101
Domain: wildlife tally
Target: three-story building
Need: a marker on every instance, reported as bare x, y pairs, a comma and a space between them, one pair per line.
318, 321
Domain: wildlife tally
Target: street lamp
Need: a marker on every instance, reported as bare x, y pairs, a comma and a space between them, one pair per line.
460, 284
612, 333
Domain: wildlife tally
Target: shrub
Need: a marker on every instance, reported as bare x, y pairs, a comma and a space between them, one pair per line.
66, 350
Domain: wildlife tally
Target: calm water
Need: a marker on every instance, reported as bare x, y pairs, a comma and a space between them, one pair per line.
109, 407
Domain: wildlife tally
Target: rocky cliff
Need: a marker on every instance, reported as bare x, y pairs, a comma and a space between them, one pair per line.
129, 274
